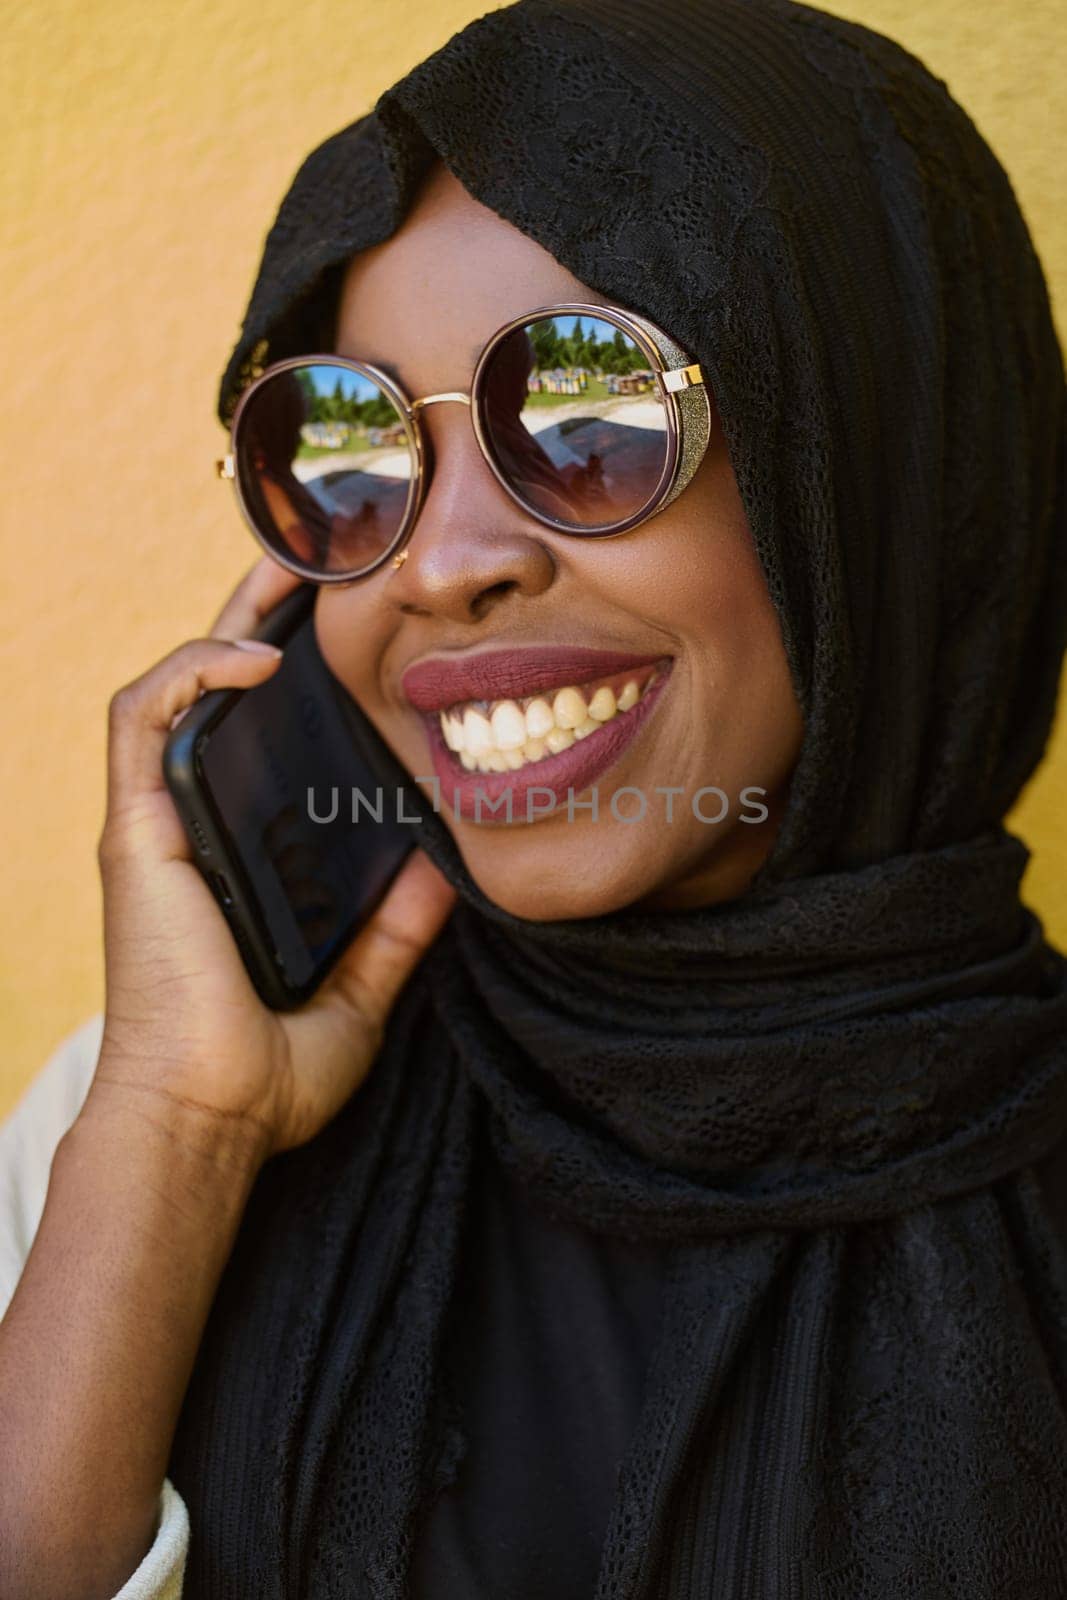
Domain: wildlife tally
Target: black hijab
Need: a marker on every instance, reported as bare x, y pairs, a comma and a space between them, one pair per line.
840, 1101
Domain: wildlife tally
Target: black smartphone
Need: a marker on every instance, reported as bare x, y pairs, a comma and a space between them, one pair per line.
291, 817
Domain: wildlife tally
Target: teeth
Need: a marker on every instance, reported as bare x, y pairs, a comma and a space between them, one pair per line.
509, 726
477, 733
539, 719
515, 733
602, 706
569, 709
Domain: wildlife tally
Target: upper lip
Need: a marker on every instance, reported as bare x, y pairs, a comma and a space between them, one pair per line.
438, 682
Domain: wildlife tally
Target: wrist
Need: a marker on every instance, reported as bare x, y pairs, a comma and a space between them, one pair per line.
176, 1129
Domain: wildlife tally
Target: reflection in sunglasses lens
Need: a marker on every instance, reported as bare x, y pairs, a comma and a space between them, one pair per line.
325, 466
575, 420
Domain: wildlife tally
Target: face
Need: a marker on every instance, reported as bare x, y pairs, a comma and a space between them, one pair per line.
491, 607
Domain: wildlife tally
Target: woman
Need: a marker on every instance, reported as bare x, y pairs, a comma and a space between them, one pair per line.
701, 1225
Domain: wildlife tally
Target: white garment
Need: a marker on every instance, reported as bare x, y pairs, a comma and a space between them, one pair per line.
28, 1139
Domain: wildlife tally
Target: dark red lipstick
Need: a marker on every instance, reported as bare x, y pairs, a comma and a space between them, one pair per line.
442, 681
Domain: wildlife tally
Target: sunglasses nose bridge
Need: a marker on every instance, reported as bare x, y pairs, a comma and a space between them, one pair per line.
427, 448
415, 406
436, 399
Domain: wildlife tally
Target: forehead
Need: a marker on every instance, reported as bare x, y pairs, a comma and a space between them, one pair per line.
429, 297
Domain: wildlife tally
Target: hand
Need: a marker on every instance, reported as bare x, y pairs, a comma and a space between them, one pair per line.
183, 1022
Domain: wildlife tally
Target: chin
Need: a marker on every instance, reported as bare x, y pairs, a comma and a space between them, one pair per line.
531, 878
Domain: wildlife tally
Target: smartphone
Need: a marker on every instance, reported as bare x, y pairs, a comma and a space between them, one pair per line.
265, 781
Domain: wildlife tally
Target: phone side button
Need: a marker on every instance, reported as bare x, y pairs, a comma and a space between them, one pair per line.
222, 888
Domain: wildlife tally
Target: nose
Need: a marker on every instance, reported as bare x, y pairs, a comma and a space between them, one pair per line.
472, 549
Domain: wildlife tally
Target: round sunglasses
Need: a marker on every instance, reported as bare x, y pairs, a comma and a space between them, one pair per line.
590, 417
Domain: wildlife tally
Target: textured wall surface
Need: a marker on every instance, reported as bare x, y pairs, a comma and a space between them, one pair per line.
145, 149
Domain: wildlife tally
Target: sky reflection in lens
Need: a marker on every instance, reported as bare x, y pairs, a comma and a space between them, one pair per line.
326, 466
575, 419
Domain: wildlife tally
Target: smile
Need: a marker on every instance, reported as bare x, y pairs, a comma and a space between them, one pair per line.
567, 717
507, 735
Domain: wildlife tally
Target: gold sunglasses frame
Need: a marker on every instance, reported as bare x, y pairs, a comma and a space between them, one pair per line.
687, 408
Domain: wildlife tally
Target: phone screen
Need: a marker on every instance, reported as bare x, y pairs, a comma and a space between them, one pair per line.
281, 768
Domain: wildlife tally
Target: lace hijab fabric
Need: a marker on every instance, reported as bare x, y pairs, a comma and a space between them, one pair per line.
840, 1100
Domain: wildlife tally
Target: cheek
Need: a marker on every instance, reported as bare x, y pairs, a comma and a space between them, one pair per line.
350, 637
695, 565
751, 713
743, 719
703, 578
740, 626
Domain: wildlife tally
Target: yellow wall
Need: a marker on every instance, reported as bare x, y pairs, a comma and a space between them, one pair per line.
145, 149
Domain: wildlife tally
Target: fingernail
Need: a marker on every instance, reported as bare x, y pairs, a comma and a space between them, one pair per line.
260, 646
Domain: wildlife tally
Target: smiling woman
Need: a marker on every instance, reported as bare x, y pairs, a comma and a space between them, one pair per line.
666, 401
649, 661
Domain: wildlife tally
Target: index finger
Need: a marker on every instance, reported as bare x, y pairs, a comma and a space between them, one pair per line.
263, 587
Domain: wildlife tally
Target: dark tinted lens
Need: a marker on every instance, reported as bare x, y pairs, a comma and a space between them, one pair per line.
324, 465
575, 421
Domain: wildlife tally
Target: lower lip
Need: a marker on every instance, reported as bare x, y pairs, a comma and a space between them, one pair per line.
573, 770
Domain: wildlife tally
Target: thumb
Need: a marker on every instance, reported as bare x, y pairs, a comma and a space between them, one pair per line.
334, 1038
382, 956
